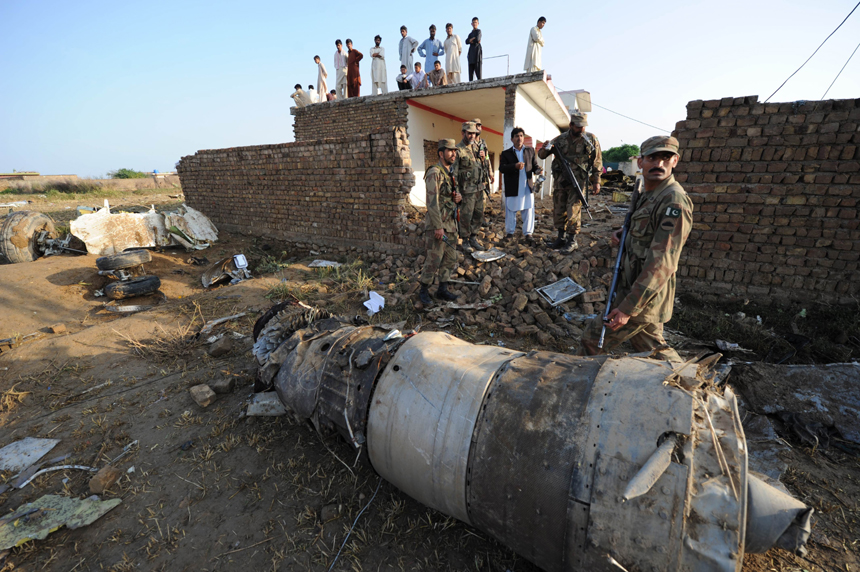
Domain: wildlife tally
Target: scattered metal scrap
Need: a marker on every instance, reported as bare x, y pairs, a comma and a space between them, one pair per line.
234, 269
538, 449
36, 520
560, 292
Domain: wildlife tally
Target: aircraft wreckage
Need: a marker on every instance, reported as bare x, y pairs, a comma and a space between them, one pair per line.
574, 463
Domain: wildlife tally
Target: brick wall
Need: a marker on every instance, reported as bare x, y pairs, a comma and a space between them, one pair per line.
348, 192
775, 187
348, 117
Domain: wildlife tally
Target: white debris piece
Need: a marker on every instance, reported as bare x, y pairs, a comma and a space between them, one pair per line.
374, 304
109, 233
324, 264
21, 454
266, 405
190, 228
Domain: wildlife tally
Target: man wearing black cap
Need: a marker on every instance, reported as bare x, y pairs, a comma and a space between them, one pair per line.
582, 151
660, 223
440, 224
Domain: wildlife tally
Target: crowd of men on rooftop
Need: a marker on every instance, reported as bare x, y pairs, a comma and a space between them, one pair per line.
413, 75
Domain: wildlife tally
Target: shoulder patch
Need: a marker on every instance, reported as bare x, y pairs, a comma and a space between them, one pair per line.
672, 212
668, 224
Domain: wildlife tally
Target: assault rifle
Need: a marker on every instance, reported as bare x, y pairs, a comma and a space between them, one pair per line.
568, 173
637, 190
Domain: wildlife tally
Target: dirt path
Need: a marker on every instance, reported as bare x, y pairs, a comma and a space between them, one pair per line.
210, 490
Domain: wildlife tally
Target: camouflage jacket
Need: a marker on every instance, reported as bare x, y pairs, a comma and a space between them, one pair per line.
583, 154
441, 208
481, 145
659, 227
467, 168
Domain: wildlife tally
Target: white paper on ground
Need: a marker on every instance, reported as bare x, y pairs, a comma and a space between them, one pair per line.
374, 304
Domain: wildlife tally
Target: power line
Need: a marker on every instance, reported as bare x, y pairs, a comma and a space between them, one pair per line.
840, 71
630, 118
813, 53
621, 114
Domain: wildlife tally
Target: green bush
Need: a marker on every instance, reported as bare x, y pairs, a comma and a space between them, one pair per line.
620, 154
127, 174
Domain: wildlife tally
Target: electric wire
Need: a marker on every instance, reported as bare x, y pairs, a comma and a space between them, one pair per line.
813, 53
840, 71
625, 116
333, 562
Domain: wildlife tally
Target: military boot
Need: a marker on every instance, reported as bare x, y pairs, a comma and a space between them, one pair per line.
473, 242
444, 294
569, 245
424, 296
559, 241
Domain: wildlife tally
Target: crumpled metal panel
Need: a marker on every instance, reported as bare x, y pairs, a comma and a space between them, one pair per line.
643, 533
423, 415
628, 410
329, 372
523, 455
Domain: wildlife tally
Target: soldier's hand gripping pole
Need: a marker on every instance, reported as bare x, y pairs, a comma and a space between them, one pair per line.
614, 287
568, 173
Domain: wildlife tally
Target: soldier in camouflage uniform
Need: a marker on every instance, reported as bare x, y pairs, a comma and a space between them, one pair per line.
660, 224
440, 224
487, 177
582, 150
468, 174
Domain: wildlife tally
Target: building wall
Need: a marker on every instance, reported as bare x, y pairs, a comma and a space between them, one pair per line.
775, 188
334, 119
342, 192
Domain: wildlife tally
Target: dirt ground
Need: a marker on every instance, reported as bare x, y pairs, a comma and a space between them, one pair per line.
207, 489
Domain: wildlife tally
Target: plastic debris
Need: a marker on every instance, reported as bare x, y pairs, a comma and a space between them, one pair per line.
374, 304
21, 454
36, 520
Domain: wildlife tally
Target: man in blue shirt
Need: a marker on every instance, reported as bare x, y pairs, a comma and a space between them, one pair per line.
430, 49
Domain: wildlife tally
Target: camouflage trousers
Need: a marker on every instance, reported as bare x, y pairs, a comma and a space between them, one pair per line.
566, 209
439, 259
471, 214
643, 336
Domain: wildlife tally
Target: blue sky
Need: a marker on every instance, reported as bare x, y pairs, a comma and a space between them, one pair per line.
89, 86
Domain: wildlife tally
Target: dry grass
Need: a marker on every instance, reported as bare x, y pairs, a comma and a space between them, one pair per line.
11, 398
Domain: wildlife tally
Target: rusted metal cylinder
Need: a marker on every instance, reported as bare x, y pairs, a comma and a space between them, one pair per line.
545, 451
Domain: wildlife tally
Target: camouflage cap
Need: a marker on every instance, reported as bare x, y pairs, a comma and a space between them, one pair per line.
447, 144
476, 121
579, 119
469, 127
659, 143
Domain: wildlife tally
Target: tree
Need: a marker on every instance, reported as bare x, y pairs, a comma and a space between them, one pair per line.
127, 174
621, 154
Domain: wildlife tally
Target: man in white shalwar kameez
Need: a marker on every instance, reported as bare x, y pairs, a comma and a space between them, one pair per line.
312, 93
322, 84
300, 97
340, 60
535, 46
408, 44
378, 75
518, 165
453, 49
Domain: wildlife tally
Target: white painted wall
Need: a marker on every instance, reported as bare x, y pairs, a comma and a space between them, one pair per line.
423, 124
530, 116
